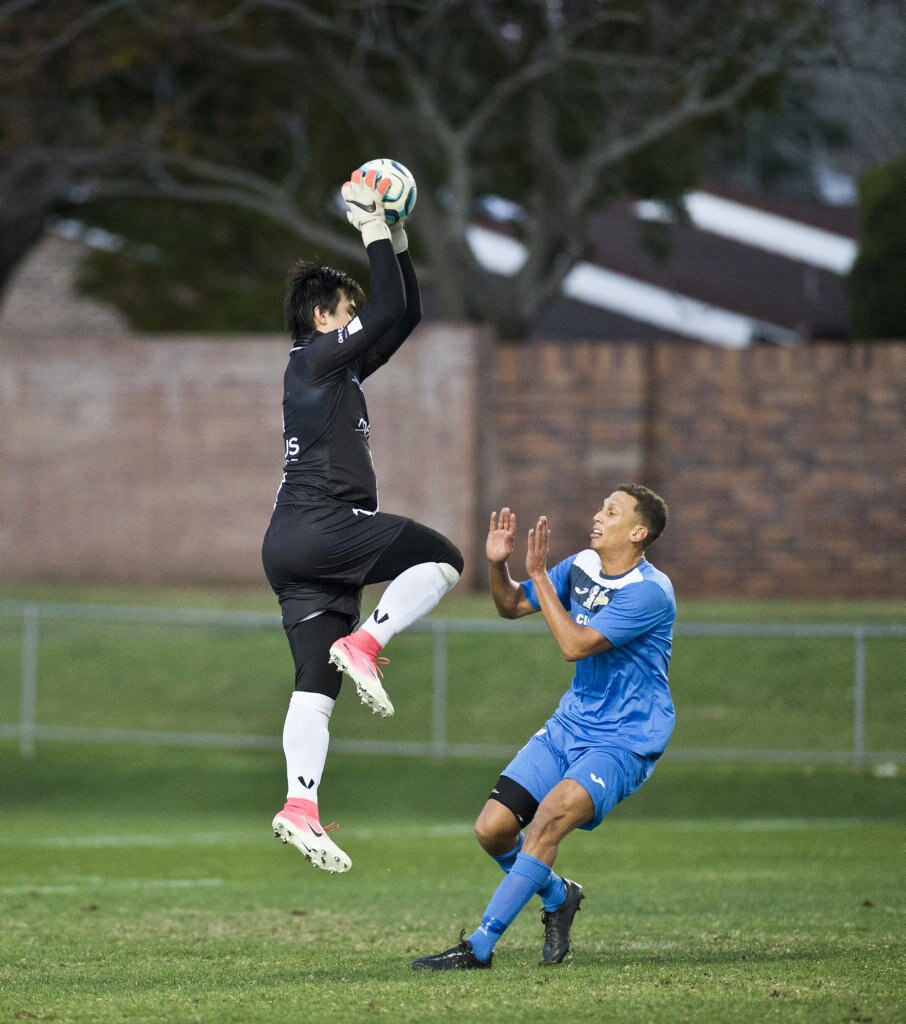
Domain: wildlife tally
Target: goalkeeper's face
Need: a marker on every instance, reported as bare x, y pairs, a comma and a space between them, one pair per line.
327, 320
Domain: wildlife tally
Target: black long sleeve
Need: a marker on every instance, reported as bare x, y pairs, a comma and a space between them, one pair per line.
327, 353
388, 343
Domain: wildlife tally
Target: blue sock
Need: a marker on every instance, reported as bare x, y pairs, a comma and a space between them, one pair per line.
507, 860
552, 892
520, 884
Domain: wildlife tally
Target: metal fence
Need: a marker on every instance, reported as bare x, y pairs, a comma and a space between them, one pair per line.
28, 730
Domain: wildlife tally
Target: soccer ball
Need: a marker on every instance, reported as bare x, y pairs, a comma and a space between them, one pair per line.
399, 199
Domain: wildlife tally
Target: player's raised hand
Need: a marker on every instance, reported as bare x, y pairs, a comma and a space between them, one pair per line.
501, 535
363, 196
538, 548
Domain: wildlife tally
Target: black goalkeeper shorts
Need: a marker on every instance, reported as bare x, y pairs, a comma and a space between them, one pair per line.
318, 557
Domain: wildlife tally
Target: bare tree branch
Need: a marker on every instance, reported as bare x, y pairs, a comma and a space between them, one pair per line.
286, 214
256, 105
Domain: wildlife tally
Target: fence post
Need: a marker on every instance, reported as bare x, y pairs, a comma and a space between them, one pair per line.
439, 689
859, 699
29, 695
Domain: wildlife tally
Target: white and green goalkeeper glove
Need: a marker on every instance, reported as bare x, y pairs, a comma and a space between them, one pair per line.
365, 206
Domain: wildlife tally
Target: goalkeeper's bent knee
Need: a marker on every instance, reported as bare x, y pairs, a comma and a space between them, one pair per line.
450, 575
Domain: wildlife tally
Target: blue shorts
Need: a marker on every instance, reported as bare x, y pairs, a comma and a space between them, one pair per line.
606, 772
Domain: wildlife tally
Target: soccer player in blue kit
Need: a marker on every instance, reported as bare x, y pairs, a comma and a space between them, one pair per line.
611, 612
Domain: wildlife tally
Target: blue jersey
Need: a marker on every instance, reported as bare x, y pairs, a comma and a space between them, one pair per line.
620, 695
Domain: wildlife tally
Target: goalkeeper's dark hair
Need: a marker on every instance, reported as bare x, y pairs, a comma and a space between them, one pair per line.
650, 508
312, 285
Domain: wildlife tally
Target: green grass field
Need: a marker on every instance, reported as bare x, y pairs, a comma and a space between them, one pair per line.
142, 883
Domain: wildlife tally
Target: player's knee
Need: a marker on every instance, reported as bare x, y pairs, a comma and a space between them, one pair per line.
494, 830
483, 835
448, 555
450, 573
453, 559
491, 841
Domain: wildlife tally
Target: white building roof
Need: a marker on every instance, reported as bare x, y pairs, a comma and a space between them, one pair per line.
768, 231
630, 297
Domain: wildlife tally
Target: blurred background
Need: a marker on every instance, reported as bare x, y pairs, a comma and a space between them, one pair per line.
657, 242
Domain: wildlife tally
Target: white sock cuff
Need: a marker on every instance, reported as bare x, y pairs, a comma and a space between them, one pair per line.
410, 596
449, 574
316, 701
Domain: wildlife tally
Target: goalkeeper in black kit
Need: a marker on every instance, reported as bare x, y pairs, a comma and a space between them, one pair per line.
327, 537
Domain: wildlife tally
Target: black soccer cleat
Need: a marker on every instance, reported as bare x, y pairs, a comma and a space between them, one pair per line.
458, 958
557, 924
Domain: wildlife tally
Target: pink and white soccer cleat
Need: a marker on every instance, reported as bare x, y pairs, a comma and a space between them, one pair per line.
298, 824
356, 655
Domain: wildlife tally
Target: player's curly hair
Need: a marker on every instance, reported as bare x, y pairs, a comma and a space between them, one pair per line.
651, 508
310, 286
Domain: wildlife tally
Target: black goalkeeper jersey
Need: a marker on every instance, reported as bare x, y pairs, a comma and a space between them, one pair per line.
325, 419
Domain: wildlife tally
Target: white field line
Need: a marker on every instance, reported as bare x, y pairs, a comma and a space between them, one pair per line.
109, 885
249, 838
118, 841
415, 832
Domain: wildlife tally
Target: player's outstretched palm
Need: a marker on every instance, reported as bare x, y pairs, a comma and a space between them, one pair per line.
538, 548
501, 535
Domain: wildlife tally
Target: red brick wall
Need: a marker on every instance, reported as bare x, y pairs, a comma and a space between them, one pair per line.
785, 469
157, 460
570, 423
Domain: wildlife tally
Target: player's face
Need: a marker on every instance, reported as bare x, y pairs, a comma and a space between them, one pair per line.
616, 523
341, 316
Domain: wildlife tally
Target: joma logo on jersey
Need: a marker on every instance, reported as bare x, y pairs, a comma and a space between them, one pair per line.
292, 448
364, 428
597, 598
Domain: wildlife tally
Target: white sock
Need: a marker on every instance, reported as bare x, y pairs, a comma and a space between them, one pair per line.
305, 741
410, 596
